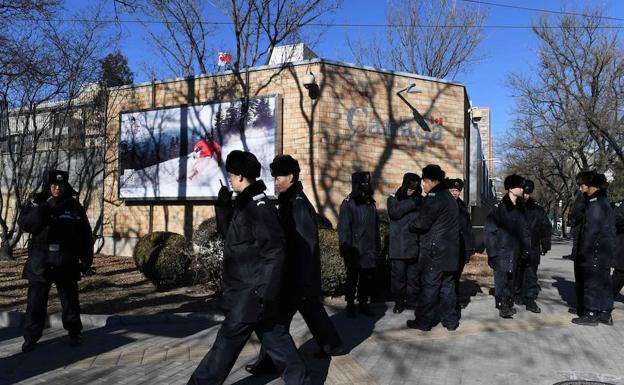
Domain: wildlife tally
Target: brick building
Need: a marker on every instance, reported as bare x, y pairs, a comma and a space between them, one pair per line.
349, 119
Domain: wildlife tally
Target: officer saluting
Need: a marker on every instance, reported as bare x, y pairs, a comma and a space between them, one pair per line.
60, 248
252, 269
507, 239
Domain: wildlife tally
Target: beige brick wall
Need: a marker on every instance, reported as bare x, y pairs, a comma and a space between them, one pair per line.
316, 132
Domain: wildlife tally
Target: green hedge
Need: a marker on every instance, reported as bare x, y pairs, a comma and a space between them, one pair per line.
163, 258
333, 274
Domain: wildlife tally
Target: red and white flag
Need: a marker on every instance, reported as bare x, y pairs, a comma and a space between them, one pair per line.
224, 58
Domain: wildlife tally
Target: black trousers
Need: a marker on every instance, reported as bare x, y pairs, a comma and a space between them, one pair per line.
598, 289
405, 281
503, 284
617, 280
231, 338
37, 308
359, 280
579, 288
438, 299
526, 285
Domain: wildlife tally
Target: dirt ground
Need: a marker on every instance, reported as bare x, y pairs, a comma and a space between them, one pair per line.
119, 288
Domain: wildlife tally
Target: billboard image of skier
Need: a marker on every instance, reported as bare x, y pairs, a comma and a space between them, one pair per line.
179, 153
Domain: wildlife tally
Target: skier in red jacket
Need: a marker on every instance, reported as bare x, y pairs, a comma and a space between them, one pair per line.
204, 150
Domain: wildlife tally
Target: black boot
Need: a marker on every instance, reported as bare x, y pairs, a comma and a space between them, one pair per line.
351, 309
504, 310
590, 318
605, 317
510, 305
263, 365
365, 310
532, 306
399, 306
28, 346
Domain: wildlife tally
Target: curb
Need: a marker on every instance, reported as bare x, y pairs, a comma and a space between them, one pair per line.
15, 319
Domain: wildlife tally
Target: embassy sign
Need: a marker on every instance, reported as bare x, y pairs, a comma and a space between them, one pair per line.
360, 121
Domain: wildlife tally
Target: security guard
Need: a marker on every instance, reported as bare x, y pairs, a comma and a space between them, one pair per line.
59, 250
507, 240
358, 235
253, 258
617, 277
526, 286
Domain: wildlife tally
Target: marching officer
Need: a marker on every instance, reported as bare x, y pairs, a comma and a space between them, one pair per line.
59, 250
253, 258
402, 210
507, 240
617, 278
526, 286
595, 253
466, 245
301, 287
358, 234
437, 225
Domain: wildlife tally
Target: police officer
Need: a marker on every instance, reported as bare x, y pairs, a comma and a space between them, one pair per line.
466, 244
507, 239
404, 275
526, 286
437, 225
617, 278
252, 269
60, 248
301, 287
358, 235
595, 253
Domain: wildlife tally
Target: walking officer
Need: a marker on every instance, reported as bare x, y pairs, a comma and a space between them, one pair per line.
437, 225
402, 210
526, 286
617, 278
301, 287
466, 245
253, 258
507, 240
595, 253
358, 235
59, 250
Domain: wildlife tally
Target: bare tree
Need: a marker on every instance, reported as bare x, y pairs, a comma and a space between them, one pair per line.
432, 38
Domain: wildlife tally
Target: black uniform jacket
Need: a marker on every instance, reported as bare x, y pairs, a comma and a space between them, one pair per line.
507, 234
438, 227
596, 244
302, 267
540, 228
61, 243
618, 255
403, 210
253, 255
358, 232
466, 244
575, 220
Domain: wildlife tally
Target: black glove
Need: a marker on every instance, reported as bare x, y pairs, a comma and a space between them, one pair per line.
224, 197
524, 256
87, 272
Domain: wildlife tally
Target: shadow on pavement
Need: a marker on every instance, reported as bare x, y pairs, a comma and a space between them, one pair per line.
55, 353
566, 290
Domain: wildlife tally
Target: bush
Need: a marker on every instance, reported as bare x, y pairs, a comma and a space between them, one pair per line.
207, 258
163, 258
333, 273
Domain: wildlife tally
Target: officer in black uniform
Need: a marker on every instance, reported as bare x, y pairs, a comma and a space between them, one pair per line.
617, 277
253, 258
358, 235
507, 240
466, 244
526, 286
437, 225
301, 287
403, 254
60, 248
595, 253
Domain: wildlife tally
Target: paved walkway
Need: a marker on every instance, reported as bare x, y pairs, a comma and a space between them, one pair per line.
529, 349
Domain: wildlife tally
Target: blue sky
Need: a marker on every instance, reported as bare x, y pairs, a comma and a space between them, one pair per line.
505, 51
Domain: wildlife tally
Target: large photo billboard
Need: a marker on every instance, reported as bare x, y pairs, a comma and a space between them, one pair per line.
179, 153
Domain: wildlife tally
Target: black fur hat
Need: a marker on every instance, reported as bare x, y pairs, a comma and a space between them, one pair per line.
410, 179
60, 177
528, 187
455, 183
433, 172
513, 181
243, 163
598, 181
584, 177
357, 178
283, 165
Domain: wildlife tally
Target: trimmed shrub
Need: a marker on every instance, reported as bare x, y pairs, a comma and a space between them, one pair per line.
207, 258
333, 273
163, 258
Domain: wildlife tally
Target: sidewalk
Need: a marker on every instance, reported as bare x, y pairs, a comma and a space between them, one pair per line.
529, 349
